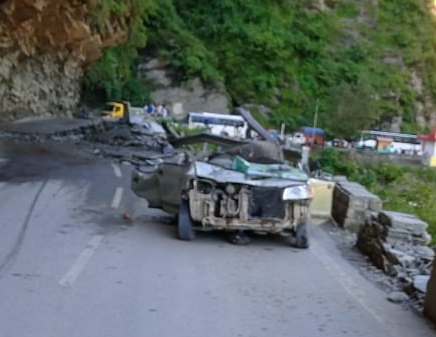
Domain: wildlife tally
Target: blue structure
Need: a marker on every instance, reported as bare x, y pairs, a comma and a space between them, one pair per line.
309, 131
314, 136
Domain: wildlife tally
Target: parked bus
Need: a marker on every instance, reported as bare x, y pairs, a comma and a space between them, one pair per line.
389, 142
219, 124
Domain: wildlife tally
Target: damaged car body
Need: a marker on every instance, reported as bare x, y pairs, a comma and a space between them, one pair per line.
248, 188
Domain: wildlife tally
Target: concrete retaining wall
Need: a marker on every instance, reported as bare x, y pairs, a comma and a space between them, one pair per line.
430, 298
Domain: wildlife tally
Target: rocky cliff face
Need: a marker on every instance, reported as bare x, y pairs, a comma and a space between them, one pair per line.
182, 98
44, 46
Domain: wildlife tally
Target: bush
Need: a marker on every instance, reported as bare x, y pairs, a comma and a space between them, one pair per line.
409, 190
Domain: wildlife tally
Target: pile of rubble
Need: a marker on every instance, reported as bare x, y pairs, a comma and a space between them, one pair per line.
397, 244
352, 203
137, 143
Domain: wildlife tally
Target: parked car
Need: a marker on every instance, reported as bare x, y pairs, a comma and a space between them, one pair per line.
246, 189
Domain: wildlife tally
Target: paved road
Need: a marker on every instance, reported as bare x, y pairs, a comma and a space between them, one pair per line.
70, 266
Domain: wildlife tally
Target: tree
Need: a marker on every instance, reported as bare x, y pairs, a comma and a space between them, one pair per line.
351, 109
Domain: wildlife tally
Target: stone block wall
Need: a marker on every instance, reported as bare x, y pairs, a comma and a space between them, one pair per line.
396, 243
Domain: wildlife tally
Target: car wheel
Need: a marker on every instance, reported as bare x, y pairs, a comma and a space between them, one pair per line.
301, 238
184, 224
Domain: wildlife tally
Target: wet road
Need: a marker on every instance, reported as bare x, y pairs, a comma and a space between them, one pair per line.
70, 265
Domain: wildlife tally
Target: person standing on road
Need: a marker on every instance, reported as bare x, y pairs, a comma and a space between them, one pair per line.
164, 111
150, 109
159, 109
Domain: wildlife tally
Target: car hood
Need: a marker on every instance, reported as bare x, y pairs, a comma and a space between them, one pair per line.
221, 175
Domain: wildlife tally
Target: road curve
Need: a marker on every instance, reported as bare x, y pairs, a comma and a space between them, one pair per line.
95, 261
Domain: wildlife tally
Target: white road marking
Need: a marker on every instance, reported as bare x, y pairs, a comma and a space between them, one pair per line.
81, 261
351, 287
117, 170
117, 197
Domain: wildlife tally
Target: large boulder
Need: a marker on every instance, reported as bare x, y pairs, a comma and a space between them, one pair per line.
352, 204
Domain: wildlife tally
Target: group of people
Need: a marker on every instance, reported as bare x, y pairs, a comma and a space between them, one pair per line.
159, 111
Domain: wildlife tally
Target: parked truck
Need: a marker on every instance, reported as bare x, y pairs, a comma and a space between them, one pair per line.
123, 111
119, 110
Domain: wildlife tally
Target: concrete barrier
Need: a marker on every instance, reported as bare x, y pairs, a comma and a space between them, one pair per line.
430, 298
322, 202
352, 204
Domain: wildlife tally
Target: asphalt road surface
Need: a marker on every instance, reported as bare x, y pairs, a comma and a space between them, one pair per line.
71, 265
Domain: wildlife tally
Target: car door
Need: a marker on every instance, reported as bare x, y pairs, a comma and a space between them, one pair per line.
170, 182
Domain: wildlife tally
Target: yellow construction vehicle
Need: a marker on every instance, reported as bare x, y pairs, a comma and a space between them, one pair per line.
115, 109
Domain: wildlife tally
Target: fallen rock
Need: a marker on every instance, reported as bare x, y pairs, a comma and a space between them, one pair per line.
398, 297
420, 282
353, 204
389, 241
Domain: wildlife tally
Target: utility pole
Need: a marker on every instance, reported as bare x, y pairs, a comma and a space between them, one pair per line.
315, 121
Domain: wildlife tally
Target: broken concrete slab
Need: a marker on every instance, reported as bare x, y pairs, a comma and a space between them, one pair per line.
398, 297
403, 221
395, 235
420, 282
396, 253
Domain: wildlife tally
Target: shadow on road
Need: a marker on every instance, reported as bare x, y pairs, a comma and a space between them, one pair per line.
30, 162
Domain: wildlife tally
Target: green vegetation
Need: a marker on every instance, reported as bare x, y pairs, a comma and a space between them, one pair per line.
356, 59
113, 77
402, 189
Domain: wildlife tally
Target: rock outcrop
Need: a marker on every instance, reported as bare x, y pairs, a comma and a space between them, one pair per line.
182, 99
44, 46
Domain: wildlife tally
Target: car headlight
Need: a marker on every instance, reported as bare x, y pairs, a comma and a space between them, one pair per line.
297, 193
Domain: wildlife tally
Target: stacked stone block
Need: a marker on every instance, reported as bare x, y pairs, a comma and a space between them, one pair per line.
397, 244
352, 204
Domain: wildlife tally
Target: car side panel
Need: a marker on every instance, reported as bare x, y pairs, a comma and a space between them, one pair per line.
170, 182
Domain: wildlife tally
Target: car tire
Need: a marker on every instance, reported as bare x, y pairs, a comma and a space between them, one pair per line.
301, 237
184, 223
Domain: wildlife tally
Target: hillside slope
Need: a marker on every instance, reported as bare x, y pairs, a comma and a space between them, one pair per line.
364, 63
368, 63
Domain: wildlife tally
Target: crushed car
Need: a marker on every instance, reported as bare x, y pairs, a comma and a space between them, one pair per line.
249, 188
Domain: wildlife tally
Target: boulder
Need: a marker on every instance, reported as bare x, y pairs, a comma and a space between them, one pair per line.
352, 204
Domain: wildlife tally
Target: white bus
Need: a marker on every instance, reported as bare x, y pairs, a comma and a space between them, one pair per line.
219, 124
401, 142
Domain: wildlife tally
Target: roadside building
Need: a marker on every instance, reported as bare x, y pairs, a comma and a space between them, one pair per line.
315, 136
